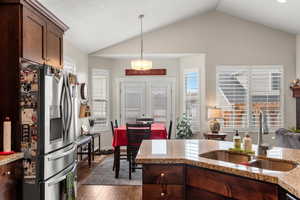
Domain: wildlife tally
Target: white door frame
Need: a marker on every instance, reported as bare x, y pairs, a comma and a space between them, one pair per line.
171, 80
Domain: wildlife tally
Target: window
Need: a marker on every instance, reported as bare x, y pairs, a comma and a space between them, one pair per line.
192, 97
100, 97
242, 91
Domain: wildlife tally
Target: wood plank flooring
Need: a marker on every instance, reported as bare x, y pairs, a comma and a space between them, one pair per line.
101, 192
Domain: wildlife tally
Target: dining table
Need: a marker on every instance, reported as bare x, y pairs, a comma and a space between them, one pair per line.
158, 131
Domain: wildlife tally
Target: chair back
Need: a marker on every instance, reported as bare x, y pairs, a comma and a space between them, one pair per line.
112, 128
116, 124
170, 129
145, 120
136, 133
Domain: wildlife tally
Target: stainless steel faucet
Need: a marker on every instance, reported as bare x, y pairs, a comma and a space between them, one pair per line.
263, 129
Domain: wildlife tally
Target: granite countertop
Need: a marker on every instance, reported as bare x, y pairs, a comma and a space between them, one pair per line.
6, 159
187, 152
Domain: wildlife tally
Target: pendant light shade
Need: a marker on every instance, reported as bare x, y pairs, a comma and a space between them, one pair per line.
141, 64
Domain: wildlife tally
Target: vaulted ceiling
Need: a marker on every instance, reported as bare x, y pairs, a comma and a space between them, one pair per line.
96, 24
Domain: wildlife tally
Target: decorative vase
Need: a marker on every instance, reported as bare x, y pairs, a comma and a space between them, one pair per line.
214, 126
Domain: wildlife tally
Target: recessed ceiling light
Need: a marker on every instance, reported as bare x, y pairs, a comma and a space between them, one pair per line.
281, 1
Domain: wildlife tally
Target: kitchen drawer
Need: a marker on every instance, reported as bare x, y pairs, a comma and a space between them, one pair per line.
230, 186
155, 192
167, 174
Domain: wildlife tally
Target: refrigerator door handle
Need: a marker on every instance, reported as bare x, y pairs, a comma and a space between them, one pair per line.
54, 182
70, 113
62, 107
63, 154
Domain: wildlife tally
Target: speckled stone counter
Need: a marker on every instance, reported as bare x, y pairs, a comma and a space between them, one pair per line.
6, 159
187, 152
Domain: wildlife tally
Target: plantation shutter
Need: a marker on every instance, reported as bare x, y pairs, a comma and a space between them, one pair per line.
266, 96
242, 91
100, 80
192, 97
232, 97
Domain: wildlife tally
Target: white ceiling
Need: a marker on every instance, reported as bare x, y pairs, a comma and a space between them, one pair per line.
96, 24
268, 12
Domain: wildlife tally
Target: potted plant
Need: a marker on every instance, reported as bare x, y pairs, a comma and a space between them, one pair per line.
183, 128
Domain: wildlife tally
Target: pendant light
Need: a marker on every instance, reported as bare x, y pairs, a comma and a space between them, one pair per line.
141, 64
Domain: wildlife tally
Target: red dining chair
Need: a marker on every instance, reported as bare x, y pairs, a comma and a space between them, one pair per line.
136, 133
123, 156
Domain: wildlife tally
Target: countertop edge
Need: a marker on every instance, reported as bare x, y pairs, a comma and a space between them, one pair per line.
6, 159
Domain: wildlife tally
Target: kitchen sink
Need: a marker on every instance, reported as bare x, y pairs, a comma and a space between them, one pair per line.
245, 159
273, 164
227, 156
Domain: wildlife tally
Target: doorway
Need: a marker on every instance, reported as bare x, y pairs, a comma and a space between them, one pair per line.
147, 97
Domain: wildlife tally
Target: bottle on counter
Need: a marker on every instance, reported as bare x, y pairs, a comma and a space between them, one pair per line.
7, 135
237, 140
247, 143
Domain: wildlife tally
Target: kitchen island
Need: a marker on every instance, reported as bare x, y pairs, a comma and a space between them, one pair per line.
205, 169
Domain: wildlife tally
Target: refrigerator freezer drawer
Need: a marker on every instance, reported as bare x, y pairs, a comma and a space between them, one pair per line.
57, 161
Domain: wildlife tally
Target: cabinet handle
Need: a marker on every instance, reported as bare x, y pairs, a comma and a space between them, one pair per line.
7, 173
162, 194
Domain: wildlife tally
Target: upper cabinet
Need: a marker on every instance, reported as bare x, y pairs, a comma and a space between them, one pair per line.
34, 34
42, 35
54, 44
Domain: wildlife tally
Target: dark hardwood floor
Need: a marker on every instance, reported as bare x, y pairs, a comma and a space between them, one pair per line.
101, 192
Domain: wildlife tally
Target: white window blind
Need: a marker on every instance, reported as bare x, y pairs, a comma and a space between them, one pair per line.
192, 97
242, 91
100, 97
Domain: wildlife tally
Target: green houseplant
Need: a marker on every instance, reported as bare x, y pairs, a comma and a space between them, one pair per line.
183, 128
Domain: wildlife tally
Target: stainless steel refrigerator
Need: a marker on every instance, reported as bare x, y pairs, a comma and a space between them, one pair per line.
48, 106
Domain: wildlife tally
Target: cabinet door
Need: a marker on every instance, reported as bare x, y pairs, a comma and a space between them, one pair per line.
11, 181
34, 30
54, 46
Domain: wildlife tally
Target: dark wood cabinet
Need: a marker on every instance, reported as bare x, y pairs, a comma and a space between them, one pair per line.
11, 181
164, 182
230, 186
54, 46
34, 35
42, 38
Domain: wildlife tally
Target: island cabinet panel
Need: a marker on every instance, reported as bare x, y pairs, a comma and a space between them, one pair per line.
11, 181
230, 186
34, 35
157, 192
162, 182
167, 174
54, 46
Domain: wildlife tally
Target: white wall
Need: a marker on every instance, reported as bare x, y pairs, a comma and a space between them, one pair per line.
75, 55
226, 40
298, 56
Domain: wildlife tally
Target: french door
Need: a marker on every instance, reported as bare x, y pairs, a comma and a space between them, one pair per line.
146, 98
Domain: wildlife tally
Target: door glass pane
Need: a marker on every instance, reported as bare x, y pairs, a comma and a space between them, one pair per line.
159, 103
134, 102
